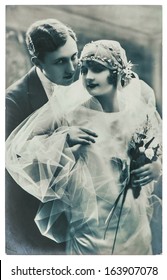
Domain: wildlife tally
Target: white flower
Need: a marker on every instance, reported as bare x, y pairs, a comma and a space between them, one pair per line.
141, 149
149, 153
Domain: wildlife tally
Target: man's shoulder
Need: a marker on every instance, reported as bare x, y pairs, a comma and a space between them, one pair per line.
20, 88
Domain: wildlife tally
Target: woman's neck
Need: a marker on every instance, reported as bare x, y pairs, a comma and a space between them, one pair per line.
109, 102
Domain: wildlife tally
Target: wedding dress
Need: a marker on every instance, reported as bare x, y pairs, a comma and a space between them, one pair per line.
77, 195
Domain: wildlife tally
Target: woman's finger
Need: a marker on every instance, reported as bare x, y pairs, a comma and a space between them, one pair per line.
143, 174
139, 170
145, 183
143, 180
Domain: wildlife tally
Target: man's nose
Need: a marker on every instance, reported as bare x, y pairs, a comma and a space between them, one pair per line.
71, 67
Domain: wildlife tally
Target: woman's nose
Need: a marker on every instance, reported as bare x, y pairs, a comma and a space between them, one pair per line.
89, 75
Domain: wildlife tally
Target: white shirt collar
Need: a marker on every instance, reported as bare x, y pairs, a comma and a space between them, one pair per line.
47, 84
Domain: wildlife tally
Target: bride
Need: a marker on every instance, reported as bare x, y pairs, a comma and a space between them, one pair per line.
95, 185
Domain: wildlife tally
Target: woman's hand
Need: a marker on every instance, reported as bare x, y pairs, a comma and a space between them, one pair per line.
78, 135
147, 173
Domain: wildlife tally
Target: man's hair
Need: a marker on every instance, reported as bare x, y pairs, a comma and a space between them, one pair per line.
46, 36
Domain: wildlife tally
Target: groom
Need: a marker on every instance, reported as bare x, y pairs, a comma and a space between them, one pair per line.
54, 52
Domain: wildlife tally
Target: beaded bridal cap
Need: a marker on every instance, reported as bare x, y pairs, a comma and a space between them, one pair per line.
110, 54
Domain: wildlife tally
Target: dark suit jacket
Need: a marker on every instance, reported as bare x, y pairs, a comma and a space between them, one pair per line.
22, 235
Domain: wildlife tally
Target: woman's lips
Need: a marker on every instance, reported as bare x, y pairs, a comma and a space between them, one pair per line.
92, 86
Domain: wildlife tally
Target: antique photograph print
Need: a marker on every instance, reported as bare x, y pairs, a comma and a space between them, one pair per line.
83, 130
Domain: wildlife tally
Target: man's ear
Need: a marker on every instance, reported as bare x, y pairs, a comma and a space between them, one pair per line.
36, 61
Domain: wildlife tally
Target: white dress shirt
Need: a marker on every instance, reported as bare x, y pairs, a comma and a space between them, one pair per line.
49, 86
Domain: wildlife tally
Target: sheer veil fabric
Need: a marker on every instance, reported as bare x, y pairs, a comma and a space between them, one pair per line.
77, 194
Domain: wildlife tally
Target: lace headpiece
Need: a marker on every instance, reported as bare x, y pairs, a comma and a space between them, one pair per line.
110, 54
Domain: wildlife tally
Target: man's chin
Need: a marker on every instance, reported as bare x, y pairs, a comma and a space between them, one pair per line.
68, 82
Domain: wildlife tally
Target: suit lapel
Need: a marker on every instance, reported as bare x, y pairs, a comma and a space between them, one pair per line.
37, 95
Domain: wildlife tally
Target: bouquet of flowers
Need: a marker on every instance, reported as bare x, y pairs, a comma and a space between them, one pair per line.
142, 149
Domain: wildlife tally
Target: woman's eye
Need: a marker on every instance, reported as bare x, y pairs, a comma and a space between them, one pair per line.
97, 68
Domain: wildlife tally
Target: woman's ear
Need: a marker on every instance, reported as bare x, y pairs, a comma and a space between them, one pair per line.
36, 61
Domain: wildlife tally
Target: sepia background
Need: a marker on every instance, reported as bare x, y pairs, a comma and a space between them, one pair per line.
138, 28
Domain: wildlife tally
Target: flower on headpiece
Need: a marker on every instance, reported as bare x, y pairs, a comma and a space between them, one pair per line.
127, 74
128, 69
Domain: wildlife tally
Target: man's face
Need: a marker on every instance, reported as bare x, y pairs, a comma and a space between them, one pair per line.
60, 66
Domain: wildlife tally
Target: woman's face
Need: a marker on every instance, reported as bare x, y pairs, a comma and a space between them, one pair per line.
95, 78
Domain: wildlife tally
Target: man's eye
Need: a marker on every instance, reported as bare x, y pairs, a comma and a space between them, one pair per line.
60, 61
84, 70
